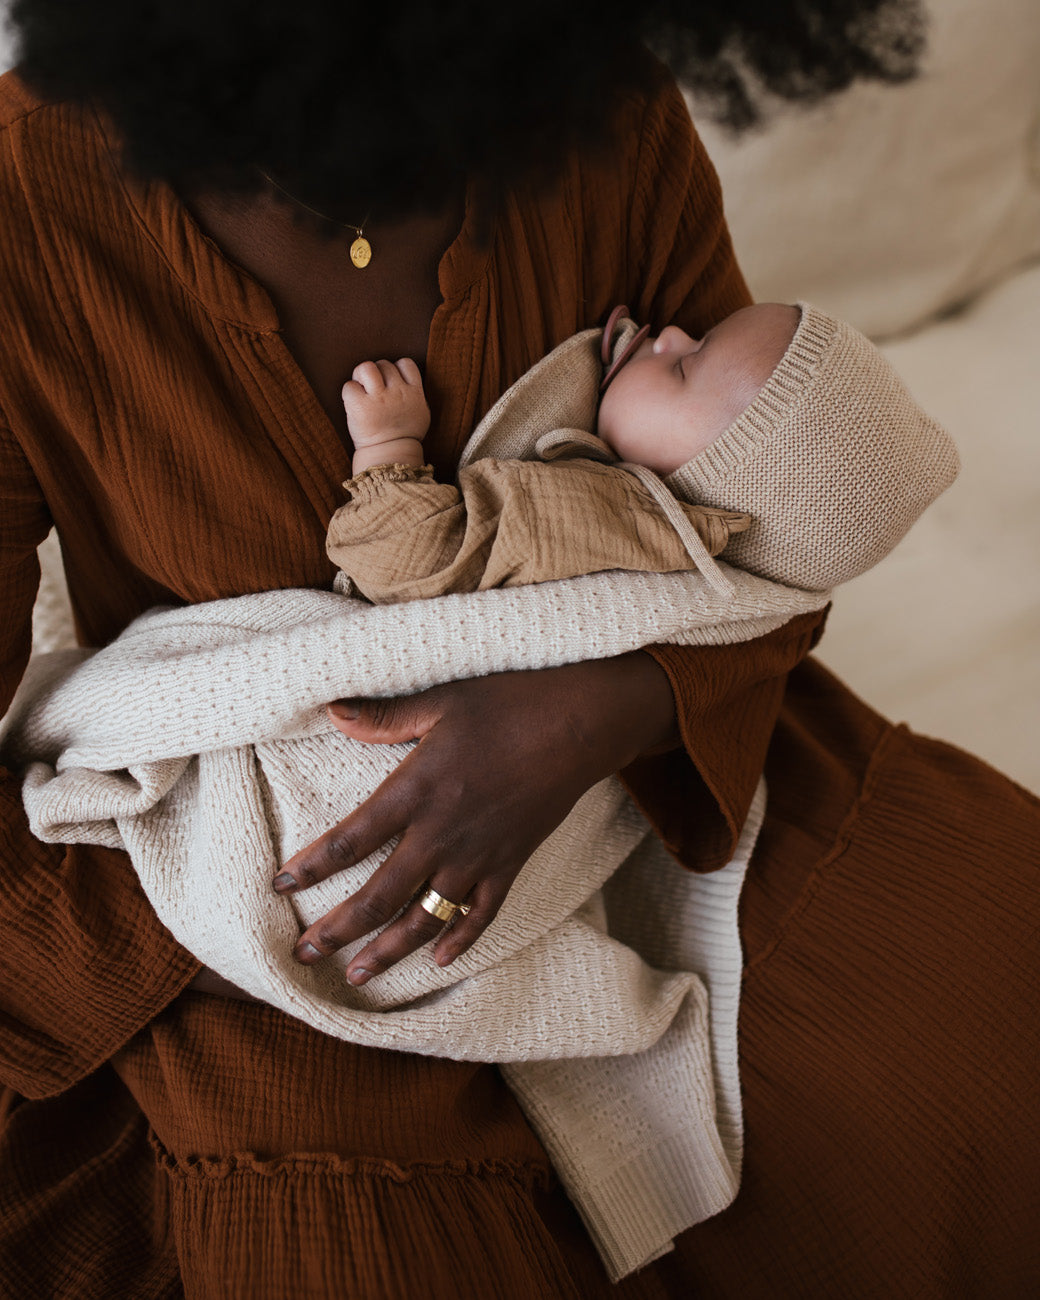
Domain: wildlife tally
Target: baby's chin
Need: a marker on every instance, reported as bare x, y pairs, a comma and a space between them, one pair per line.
662, 455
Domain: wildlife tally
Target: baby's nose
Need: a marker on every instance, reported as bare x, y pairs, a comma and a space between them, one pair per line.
674, 339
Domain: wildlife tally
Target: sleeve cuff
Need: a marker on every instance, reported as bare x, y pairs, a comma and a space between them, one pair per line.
727, 701
370, 480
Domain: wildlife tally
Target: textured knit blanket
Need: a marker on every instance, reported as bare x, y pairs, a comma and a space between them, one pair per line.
198, 742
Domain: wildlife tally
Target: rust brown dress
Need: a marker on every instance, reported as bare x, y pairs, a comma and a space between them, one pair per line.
156, 1143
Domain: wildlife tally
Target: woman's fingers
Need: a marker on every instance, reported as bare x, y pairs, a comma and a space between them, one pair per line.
392, 887
345, 845
398, 888
466, 928
388, 809
427, 855
388, 721
415, 927
500, 762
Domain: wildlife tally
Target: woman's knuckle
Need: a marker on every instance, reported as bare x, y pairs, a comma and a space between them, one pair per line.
307, 874
372, 910
480, 918
380, 712
340, 848
325, 938
420, 926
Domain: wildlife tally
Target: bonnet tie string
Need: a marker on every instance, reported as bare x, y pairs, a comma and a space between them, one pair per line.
688, 535
564, 444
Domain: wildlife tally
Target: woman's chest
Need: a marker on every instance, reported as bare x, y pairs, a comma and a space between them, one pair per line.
332, 321
333, 314
213, 453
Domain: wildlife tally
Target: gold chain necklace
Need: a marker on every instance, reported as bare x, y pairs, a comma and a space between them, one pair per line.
360, 249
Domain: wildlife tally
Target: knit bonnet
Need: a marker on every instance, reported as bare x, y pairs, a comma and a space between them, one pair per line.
834, 461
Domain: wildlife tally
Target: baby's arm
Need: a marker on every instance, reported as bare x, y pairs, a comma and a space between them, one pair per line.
387, 414
402, 536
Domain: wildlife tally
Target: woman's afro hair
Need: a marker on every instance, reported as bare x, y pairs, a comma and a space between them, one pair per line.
348, 104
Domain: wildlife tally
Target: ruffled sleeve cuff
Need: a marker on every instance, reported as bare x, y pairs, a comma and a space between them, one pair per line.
369, 481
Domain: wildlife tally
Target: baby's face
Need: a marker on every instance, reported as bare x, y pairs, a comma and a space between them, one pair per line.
677, 394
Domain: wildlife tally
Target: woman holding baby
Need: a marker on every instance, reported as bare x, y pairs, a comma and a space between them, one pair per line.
212, 220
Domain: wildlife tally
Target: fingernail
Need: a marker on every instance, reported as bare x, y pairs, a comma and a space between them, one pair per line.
357, 977
283, 882
445, 958
306, 952
345, 709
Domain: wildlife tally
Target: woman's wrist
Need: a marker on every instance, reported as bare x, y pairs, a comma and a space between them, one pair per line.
395, 451
628, 707
651, 698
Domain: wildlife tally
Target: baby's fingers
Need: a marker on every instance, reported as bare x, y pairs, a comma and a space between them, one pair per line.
409, 372
370, 376
353, 395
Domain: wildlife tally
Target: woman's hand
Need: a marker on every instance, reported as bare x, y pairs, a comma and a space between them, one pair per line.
500, 762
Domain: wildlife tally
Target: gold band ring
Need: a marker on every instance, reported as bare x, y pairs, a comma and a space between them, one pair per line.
442, 908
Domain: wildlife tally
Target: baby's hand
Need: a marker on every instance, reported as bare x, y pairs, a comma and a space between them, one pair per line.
387, 413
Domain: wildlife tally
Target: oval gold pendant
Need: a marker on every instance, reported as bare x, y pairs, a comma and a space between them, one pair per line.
361, 252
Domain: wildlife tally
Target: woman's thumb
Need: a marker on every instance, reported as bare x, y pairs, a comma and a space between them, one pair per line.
384, 722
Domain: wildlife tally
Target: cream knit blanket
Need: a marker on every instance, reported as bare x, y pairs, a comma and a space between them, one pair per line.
199, 743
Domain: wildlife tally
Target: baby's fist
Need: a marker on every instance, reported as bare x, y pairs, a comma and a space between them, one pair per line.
384, 401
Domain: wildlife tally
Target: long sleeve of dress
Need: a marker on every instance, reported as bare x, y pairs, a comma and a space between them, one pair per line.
888, 924
118, 966
142, 373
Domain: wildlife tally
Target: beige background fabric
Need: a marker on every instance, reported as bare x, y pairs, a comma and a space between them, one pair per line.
890, 205
914, 212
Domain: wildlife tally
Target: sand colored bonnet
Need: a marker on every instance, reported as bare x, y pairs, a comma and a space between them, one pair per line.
834, 460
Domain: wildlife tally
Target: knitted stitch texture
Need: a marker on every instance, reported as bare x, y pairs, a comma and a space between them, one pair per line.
198, 741
834, 461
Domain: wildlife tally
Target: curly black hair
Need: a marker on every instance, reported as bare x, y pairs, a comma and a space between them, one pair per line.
393, 108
